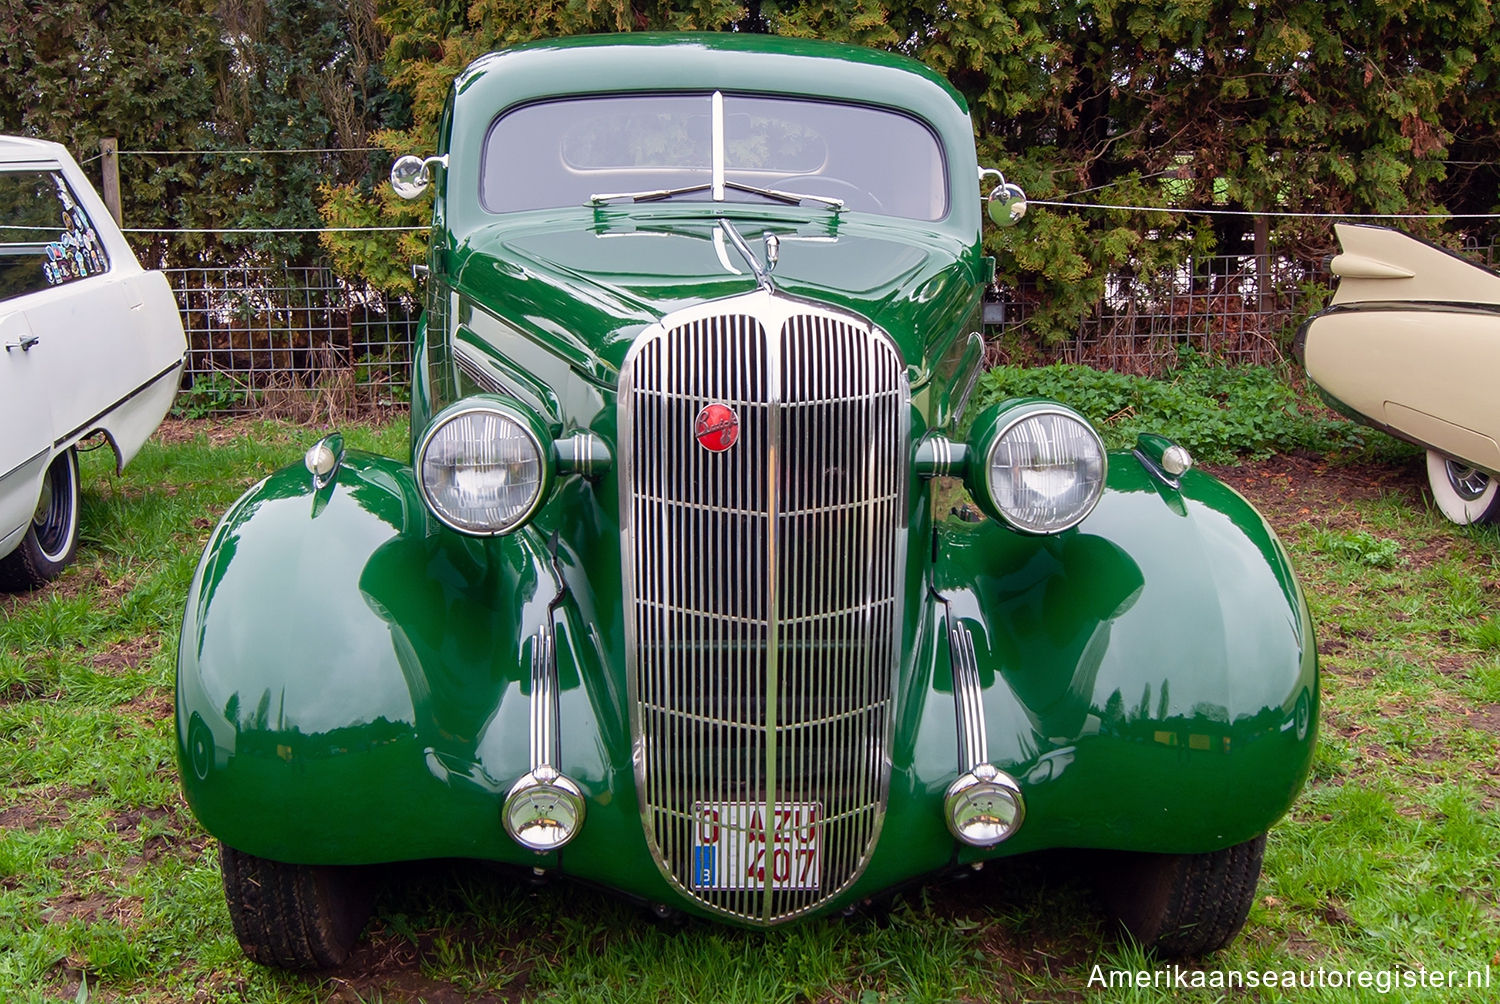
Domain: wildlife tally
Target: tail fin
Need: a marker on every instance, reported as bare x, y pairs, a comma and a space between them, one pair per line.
1381, 264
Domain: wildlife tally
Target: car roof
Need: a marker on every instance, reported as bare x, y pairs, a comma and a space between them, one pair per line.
20, 149
729, 61
733, 62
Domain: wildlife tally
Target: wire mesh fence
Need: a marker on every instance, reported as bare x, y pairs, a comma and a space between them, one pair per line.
300, 342
1236, 309
293, 340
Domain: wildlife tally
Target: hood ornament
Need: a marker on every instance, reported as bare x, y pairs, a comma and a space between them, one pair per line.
773, 252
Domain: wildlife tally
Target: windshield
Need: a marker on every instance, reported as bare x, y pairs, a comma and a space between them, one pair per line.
570, 152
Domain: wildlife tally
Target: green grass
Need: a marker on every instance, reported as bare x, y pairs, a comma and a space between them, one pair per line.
1387, 860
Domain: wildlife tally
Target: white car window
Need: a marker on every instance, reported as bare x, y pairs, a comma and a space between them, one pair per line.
46, 238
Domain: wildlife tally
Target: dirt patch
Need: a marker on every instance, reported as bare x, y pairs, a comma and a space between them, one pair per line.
48, 807
175, 431
1299, 488
127, 656
131, 819
151, 707
93, 908
386, 965
75, 581
1486, 717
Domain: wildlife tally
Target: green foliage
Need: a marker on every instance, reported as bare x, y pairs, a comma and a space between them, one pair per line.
211, 394
1360, 547
1359, 106
1201, 102
206, 75
1219, 413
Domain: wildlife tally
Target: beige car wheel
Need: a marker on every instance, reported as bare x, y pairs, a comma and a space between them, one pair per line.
1463, 493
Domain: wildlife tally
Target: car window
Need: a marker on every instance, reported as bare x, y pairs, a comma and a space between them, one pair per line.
563, 153
46, 238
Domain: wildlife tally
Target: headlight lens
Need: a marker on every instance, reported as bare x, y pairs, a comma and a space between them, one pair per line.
543, 810
482, 468
984, 806
1044, 467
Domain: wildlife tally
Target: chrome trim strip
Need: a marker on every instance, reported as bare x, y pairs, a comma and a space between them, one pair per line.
86, 426
956, 408
29, 462
772, 572
968, 698
717, 188
544, 710
471, 367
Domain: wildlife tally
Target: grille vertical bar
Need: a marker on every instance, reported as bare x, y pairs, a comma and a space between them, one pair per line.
763, 591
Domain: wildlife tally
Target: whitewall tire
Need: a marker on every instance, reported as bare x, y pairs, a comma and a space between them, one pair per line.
1463, 493
52, 538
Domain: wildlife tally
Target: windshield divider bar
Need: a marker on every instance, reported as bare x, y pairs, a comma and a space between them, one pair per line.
717, 192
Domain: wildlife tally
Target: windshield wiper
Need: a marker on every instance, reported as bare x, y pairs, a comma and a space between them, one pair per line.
658, 194
650, 195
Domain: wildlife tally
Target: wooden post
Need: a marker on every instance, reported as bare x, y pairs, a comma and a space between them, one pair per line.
109, 151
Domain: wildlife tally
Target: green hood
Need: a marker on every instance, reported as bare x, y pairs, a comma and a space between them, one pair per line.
594, 280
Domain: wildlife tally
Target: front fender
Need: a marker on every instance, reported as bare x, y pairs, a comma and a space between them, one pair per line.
325, 623
1150, 678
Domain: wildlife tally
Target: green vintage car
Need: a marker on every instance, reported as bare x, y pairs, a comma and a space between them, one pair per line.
663, 599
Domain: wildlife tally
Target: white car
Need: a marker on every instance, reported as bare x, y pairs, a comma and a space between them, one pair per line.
89, 343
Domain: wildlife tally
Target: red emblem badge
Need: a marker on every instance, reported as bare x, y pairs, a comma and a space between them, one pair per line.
717, 428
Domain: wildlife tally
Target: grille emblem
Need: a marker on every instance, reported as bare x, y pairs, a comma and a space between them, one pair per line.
717, 428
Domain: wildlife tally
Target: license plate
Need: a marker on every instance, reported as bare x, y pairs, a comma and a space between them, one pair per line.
734, 849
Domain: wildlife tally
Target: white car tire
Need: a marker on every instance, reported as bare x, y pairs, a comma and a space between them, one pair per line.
52, 538
1464, 494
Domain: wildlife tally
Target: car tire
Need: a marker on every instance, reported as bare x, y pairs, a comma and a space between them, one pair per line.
1464, 494
294, 916
52, 539
1183, 904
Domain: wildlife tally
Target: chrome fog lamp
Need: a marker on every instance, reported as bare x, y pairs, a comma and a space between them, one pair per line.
984, 806
543, 810
484, 465
1036, 465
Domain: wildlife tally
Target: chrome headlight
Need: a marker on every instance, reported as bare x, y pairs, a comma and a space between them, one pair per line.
484, 465
1036, 465
984, 806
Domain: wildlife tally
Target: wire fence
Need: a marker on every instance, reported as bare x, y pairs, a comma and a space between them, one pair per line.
295, 341
1235, 309
305, 343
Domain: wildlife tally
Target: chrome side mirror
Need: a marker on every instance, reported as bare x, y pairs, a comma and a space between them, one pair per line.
1006, 202
410, 175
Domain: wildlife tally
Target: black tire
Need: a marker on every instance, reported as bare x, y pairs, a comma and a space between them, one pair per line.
52, 539
294, 916
1183, 904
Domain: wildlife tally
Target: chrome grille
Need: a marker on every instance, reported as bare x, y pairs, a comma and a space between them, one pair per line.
763, 591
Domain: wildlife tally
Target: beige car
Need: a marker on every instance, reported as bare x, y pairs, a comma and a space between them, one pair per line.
1409, 345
